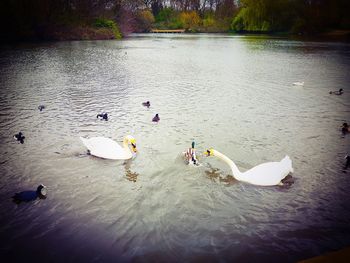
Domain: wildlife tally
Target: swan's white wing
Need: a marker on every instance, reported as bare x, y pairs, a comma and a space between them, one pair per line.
105, 148
266, 174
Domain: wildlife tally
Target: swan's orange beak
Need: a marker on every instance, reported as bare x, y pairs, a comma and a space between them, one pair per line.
134, 147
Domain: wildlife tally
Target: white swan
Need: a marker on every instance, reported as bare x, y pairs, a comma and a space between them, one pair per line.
298, 83
264, 174
109, 149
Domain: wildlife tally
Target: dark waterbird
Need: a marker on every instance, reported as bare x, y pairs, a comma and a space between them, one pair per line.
345, 128
339, 92
19, 137
147, 104
103, 116
347, 164
41, 107
156, 118
27, 196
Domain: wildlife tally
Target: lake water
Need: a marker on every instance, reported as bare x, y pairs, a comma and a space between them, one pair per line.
232, 93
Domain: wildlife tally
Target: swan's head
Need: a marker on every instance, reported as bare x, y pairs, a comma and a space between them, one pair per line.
131, 140
209, 152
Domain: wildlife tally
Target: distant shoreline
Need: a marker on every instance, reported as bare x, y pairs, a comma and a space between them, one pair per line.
332, 35
91, 33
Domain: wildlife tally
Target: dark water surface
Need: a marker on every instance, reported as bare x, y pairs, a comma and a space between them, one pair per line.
231, 93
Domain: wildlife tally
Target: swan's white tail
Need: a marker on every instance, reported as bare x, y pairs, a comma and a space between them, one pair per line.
288, 163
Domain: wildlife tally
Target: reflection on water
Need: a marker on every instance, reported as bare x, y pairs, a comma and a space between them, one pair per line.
234, 94
131, 176
215, 175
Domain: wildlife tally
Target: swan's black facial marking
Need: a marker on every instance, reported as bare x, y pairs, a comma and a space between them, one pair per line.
133, 147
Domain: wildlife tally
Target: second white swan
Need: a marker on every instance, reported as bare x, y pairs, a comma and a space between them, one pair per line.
265, 174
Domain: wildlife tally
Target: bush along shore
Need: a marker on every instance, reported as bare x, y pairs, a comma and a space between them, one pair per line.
100, 29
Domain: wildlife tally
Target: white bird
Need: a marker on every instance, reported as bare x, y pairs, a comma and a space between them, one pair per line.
264, 174
108, 149
298, 83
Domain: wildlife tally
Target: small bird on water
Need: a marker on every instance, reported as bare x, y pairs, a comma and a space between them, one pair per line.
103, 116
156, 118
19, 137
339, 92
27, 196
345, 128
347, 164
190, 155
41, 107
147, 104
298, 83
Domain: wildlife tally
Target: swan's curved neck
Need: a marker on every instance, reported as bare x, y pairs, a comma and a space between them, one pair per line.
126, 146
125, 143
236, 173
